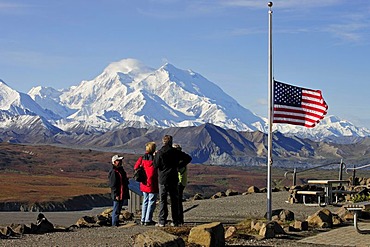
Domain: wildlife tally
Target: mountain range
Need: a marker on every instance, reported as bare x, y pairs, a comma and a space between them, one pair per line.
130, 103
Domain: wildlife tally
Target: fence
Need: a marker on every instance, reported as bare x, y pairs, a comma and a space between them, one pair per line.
295, 172
134, 203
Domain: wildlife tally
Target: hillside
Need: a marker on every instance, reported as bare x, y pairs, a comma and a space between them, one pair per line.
45, 173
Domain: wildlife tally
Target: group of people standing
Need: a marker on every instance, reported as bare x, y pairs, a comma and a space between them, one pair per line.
166, 175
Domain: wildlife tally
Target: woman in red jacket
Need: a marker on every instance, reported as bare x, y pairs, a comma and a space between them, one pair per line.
150, 187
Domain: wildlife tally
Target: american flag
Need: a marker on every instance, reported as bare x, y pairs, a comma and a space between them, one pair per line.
298, 106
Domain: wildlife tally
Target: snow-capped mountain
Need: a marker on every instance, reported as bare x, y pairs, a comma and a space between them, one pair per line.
331, 128
14, 103
127, 93
130, 94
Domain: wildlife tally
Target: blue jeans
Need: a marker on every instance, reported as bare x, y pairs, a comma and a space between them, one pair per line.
148, 207
117, 207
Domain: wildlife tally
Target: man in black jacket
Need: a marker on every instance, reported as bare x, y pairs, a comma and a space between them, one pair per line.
168, 160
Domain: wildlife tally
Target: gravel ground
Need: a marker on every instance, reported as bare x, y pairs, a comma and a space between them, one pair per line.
228, 210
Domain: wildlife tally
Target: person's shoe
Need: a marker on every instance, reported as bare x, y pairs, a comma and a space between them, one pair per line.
150, 223
174, 224
159, 225
142, 223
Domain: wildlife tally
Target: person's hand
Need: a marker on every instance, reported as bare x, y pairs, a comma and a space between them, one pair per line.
117, 198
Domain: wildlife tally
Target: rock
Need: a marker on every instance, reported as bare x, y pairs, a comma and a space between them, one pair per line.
154, 238
230, 232
337, 221
231, 192
208, 235
322, 218
87, 221
344, 214
271, 229
256, 225
107, 212
275, 189
267, 231
43, 225
20, 228
300, 225
218, 195
281, 215
253, 189
263, 190
126, 215
198, 196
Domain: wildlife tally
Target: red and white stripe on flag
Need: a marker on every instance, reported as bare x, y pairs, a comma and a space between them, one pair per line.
298, 106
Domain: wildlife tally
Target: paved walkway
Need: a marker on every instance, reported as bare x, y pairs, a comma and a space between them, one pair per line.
342, 236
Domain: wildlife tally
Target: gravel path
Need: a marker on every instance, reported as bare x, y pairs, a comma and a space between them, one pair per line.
226, 210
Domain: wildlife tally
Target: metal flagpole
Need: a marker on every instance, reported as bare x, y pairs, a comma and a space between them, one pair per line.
270, 105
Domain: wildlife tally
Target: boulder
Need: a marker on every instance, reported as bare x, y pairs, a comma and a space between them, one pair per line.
231, 192
230, 232
337, 221
87, 221
281, 215
42, 225
271, 229
344, 214
299, 225
256, 225
198, 196
322, 218
208, 235
253, 189
155, 237
218, 195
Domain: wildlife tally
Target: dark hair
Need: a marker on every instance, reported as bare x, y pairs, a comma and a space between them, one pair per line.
167, 140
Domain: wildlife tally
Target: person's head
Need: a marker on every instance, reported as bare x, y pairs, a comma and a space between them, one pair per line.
177, 146
167, 140
150, 147
117, 160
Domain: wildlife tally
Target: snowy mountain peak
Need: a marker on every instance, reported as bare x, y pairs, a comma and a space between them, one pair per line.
16, 103
130, 94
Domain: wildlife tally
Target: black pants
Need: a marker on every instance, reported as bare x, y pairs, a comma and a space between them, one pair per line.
181, 209
172, 191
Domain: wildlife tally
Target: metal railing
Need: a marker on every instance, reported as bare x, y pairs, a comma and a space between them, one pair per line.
295, 172
354, 169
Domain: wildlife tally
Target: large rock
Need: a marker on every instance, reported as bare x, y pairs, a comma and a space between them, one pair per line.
281, 215
322, 218
299, 225
253, 189
158, 238
87, 221
42, 225
231, 192
218, 195
271, 229
208, 235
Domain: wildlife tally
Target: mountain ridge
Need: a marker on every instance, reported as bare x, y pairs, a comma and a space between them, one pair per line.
129, 104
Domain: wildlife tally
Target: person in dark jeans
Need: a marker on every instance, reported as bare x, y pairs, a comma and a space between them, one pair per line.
118, 183
183, 179
168, 160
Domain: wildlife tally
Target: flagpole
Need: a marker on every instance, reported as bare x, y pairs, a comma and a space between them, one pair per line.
269, 144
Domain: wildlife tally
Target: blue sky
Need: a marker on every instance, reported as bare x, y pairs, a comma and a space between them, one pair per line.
318, 44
